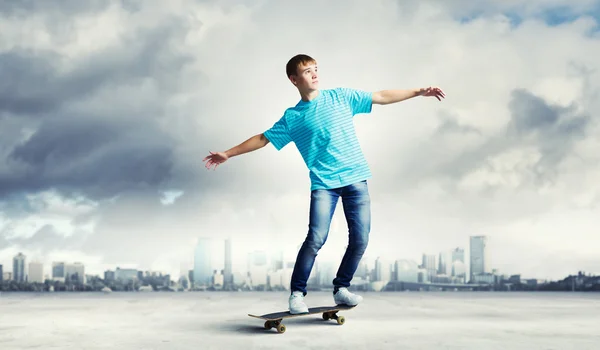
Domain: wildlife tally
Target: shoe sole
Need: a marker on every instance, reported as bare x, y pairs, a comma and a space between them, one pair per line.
298, 313
358, 302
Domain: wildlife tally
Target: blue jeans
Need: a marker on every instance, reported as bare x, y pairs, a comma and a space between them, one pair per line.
357, 209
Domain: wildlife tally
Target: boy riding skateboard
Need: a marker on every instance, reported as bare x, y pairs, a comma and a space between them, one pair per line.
321, 126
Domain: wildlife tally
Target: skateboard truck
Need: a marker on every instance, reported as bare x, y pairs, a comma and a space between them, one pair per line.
275, 324
333, 315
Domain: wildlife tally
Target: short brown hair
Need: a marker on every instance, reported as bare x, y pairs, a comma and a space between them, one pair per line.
291, 67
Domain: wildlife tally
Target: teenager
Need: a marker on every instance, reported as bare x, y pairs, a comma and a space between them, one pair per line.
321, 126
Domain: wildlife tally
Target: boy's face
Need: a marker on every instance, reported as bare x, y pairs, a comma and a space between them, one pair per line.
306, 78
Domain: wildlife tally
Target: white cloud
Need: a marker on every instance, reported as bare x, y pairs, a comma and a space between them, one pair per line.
169, 197
49, 209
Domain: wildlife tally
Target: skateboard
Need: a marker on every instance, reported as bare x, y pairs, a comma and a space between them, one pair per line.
274, 320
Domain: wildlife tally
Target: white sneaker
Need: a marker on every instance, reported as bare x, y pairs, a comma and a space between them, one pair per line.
297, 305
344, 297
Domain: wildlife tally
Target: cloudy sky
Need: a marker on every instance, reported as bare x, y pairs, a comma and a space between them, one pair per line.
107, 109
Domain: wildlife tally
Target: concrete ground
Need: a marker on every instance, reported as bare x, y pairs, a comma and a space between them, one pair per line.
209, 320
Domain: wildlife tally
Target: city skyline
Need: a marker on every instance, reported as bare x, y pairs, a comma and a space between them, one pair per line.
207, 260
329, 253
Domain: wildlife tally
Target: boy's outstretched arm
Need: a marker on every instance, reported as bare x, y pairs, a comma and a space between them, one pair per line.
385, 97
251, 144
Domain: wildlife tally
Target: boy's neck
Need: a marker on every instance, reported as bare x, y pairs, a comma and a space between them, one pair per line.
309, 95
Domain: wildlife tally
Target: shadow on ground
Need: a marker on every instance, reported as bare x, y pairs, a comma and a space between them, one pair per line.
256, 326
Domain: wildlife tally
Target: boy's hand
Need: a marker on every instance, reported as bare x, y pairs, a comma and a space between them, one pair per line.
432, 91
215, 158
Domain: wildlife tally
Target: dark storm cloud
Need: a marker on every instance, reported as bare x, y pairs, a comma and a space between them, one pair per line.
26, 87
64, 7
554, 129
31, 83
531, 114
24, 8
86, 150
551, 129
96, 158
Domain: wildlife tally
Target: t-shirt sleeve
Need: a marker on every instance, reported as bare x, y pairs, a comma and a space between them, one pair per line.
279, 134
360, 101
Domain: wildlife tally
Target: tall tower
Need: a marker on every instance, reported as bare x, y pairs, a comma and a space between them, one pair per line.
19, 267
429, 264
227, 271
477, 256
383, 270
203, 262
445, 263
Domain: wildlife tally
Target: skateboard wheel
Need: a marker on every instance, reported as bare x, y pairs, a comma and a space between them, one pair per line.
281, 328
325, 316
268, 325
341, 320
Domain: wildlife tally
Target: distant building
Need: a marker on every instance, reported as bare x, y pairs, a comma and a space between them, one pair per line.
478, 250
36, 272
484, 278
429, 264
203, 271
75, 273
228, 271
1, 274
109, 276
406, 271
58, 271
445, 263
19, 267
459, 271
126, 275
382, 270
191, 277
183, 282
424, 275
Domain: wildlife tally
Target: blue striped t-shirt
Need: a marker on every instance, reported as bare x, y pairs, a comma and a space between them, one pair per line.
323, 131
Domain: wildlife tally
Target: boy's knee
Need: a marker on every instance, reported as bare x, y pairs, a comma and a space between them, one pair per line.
360, 244
315, 245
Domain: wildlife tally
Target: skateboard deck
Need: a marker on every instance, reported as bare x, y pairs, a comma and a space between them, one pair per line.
274, 320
